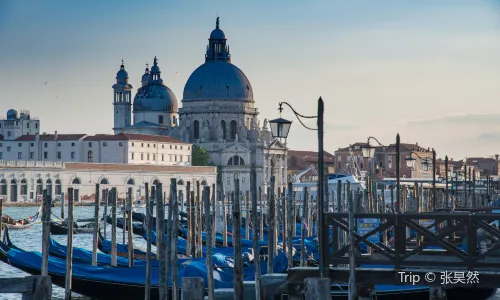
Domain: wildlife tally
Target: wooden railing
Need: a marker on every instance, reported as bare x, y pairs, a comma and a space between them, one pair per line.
468, 251
31, 287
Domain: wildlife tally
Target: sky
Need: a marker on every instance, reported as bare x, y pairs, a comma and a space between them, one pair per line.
428, 69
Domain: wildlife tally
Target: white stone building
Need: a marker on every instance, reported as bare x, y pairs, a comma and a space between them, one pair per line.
123, 148
25, 180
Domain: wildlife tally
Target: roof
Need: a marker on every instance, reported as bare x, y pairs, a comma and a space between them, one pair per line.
311, 155
139, 168
52, 137
301, 160
151, 138
146, 124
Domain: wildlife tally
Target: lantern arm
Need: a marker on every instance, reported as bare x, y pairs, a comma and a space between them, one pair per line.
298, 115
423, 159
373, 138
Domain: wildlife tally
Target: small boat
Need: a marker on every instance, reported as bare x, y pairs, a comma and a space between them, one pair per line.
62, 228
137, 228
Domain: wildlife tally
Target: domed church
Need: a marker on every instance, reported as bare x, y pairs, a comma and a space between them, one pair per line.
218, 113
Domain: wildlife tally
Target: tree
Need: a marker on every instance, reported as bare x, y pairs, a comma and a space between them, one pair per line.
200, 156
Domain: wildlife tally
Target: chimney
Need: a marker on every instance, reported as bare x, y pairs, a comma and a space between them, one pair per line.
55, 135
496, 156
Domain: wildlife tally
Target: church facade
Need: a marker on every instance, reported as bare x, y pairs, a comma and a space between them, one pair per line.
218, 113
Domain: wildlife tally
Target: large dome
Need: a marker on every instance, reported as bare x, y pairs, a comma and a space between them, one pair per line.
155, 97
218, 80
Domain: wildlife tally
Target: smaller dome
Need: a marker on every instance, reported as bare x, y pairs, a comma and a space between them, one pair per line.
145, 77
12, 114
155, 97
217, 34
122, 74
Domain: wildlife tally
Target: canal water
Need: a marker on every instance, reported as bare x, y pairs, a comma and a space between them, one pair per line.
31, 239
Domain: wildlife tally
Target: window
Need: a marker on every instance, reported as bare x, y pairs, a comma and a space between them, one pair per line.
58, 144
27, 125
36, 125
175, 157
163, 146
162, 157
142, 156
72, 144
236, 161
19, 145
72, 154
104, 144
45, 145
132, 155
148, 145
389, 162
8, 133
160, 119
120, 144
32, 155
90, 156
154, 145
1, 155
189, 158
170, 147
58, 154
232, 130
1, 144
175, 147
90, 144
45, 155
189, 148
147, 156
181, 147
142, 144
19, 155
196, 129
132, 144
223, 126
180, 158
32, 144
8, 149
154, 157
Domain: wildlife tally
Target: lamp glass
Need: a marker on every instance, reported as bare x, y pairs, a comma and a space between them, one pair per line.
280, 127
368, 151
410, 162
425, 166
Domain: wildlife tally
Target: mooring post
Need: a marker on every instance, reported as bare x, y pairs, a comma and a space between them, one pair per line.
294, 218
169, 241
160, 242
303, 228
69, 245
289, 220
208, 226
173, 237
113, 226
193, 288
285, 208
261, 206
271, 222
189, 218
224, 216
238, 259
199, 219
247, 215
149, 224
1, 216
352, 259
95, 239
193, 225
105, 197
255, 233
213, 206
124, 219
62, 206
45, 233
130, 239
317, 288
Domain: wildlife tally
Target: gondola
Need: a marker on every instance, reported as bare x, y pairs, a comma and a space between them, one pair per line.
21, 223
137, 228
62, 228
122, 250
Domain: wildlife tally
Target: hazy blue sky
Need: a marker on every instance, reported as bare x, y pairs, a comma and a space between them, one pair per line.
428, 69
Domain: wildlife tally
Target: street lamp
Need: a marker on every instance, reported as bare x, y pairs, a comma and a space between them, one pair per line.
369, 152
425, 162
279, 129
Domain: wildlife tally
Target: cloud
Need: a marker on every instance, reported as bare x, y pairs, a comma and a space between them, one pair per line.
489, 136
457, 119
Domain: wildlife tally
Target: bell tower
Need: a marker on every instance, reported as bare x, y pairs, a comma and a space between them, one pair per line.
122, 104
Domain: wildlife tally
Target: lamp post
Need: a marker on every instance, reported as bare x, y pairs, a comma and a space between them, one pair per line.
410, 163
280, 128
369, 152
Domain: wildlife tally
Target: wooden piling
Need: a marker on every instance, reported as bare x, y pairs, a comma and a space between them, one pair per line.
238, 259
352, 260
208, 226
1, 214
124, 220
160, 243
392, 198
114, 201
271, 243
169, 241
224, 216
285, 221
247, 215
45, 233
303, 228
193, 288
95, 239
149, 224
193, 225
189, 219
199, 221
261, 205
289, 220
130, 230
294, 218
213, 205
317, 288
173, 237
105, 197
62, 205
255, 233
339, 196
69, 247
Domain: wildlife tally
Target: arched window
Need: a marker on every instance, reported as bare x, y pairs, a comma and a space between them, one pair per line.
3, 187
76, 191
196, 130
39, 187
24, 187
203, 182
104, 181
131, 181
90, 156
58, 187
232, 130
236, 161
76, 181
223, 126
156, 182
48, 186
13, 190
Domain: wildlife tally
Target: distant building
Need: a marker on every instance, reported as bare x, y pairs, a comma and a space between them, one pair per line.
487, 166
300, 161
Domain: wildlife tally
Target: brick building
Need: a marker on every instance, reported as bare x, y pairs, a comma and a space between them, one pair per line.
300, 161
